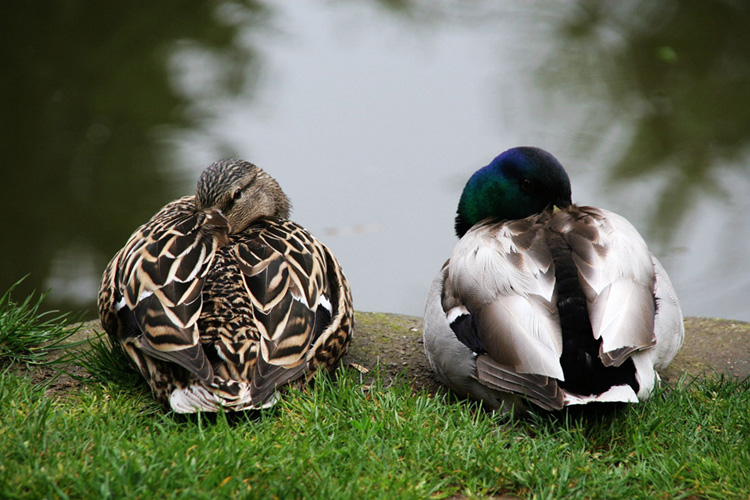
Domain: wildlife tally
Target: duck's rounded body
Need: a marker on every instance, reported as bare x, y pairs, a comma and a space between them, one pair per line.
546, 302
220, 299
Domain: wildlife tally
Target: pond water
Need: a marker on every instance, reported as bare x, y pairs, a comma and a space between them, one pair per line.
372, 115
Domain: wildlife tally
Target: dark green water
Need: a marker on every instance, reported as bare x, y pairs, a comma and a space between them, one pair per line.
372, 115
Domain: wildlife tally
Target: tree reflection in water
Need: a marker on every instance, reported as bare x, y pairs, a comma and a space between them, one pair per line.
86, 88
680, 72
99, 103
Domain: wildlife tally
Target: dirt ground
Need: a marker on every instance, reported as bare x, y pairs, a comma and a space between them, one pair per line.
395, 343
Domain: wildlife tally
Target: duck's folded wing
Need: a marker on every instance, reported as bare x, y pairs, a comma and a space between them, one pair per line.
500, 297
616, 274
284, 275
668, 322
541, 390
161, 280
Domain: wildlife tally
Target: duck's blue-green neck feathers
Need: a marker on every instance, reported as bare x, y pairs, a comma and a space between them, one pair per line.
518, 183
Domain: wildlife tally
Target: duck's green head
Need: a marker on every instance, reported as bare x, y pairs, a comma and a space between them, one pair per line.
520, 182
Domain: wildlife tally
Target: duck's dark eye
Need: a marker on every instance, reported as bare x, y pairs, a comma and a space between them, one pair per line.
237, 194
527, 186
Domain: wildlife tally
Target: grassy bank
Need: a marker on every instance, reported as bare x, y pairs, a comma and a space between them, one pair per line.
354, 438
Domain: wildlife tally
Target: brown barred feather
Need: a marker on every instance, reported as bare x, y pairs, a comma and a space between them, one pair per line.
216, 318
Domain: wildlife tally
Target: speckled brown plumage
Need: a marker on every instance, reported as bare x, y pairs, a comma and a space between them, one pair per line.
220, 299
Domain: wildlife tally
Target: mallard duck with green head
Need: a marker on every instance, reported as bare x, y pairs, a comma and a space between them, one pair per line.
544, 302
219, 300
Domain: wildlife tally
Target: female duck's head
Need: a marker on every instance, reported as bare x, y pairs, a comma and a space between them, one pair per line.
242, 192
518, 183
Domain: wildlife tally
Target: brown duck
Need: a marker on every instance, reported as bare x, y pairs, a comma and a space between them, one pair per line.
220, 299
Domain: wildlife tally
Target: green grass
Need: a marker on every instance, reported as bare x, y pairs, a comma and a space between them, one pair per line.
105, 362
342, 438
27, 334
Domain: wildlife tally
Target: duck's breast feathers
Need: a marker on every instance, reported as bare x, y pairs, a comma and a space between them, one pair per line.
294, 295
616, 273
159, 279
500, 296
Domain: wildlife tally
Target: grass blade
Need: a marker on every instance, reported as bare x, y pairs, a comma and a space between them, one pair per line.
29, 335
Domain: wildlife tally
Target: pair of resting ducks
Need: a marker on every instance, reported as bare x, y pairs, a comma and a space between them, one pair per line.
220, 300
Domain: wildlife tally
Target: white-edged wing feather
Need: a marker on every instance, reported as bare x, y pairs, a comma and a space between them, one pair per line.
616, 274
502, 273
492, 328
158, 277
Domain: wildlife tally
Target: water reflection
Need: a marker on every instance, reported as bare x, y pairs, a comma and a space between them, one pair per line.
85, 88
372, 115
679, 71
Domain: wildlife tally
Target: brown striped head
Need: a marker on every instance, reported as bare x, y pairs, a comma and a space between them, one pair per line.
242, 192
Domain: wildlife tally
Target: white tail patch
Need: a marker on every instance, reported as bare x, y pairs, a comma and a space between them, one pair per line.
194, 398
197, 398
616, 394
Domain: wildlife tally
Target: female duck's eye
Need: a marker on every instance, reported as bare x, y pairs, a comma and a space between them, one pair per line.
527, 186
237, 194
